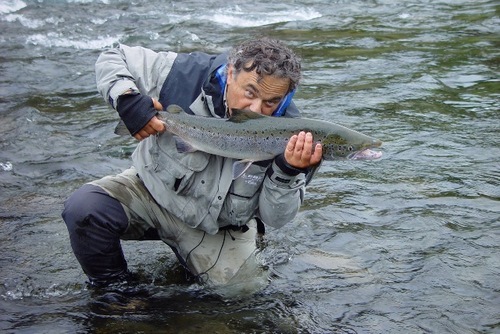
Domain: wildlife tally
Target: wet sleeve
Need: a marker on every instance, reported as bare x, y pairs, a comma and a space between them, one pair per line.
135, 110
127, 69
282, 193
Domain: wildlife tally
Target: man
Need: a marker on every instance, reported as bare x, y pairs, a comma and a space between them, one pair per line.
189, 200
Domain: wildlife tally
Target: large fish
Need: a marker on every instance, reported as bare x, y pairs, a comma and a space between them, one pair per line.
250, 136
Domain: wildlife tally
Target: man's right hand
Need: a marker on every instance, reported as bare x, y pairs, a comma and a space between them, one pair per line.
154, 125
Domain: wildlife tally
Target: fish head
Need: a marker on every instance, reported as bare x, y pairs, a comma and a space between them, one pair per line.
337, 147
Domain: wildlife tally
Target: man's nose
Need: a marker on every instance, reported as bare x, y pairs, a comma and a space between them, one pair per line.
256, 106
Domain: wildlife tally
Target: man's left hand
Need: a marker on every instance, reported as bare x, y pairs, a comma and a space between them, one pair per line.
301, 152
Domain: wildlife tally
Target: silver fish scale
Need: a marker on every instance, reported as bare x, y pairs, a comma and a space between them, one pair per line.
259, 137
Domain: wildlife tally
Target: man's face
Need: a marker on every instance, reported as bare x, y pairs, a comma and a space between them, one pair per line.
262, 96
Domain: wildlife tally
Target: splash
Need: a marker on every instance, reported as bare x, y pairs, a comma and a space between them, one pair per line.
11, 6
29, 23
57, 40
6, 167
236, 17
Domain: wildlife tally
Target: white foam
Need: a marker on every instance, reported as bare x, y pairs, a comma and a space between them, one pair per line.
106, 2
193, 37
6, 167
11, 6
32, 291
236, 17
97, 21
53, 39
29, 23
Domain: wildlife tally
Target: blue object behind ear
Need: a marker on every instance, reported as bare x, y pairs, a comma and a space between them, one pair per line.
221, 76
280, 111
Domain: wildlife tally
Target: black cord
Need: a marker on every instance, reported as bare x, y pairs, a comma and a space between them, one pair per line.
230, 235
199, 276
202, 238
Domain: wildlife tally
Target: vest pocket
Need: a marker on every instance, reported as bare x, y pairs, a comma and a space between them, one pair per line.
176, 169
239, 210
243, 198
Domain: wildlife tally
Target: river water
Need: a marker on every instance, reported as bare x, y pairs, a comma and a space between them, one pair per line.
406, 244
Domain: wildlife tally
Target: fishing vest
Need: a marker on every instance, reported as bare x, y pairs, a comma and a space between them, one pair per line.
197, 187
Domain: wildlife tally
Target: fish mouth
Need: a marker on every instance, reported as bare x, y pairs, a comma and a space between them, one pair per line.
365, 154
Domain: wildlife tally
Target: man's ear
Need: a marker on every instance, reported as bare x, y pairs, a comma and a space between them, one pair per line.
230, 73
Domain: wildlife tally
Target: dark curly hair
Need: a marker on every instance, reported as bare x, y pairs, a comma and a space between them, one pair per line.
267, 57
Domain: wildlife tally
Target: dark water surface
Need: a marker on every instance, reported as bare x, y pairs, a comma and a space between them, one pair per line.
406, 244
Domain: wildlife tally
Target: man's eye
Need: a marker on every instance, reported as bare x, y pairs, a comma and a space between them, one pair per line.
249, 94
271, 103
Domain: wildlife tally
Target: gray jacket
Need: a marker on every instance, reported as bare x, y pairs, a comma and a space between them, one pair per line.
196, 187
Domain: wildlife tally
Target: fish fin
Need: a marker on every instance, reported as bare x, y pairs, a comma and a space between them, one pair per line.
240, 116
240, 167
183, 146
162, 115
121, 129
174, 109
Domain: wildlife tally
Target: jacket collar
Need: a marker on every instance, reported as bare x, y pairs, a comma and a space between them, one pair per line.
215, 85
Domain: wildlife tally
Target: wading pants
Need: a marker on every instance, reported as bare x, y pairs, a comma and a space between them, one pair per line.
102, 212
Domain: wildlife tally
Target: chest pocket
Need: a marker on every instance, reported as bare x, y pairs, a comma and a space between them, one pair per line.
242, 201
178, 170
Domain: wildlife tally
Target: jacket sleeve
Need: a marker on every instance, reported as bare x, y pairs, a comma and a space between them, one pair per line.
138, 69
281, 196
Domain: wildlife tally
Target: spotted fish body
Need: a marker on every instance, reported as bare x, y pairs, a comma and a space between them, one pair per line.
253, 137
248, 136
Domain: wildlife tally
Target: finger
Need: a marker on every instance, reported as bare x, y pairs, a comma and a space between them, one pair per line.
308, 146
157, 105
150, 127
317, 155
157, 125
291, 143
299, 145
143, 134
